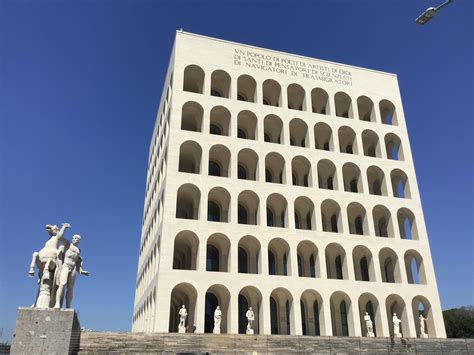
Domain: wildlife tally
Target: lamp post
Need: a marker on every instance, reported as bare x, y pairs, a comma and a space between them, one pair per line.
430, 12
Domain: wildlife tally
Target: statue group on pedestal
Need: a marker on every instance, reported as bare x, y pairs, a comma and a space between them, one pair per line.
58, 263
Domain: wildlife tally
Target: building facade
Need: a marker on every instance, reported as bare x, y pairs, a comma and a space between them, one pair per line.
285, 184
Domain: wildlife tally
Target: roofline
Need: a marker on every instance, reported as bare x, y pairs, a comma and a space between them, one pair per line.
285, 53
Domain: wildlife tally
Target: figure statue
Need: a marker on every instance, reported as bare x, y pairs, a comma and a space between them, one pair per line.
72, 263
369, 325
217, 320
250, 318
46, 260
396, 326
183, 313
422, 326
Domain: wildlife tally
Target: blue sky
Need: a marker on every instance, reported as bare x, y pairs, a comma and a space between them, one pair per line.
80, 86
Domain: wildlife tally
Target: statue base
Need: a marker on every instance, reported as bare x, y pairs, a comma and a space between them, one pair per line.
249, 331
46, 331
181, 330
370, 335
216, 331
424, 336
399, 335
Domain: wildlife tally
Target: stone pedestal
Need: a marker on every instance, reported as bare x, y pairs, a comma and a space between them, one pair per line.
181, 330
249, 331
46, 331
398, 335
370, 335
216, 330
424, 336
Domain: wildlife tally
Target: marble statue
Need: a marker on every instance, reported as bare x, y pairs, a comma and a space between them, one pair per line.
183, 313
396, 326
217, 320
72, 263
422, 326
250, 318
369, 325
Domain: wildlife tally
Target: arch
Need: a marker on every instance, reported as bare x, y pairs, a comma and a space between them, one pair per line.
191, 116
331, 216
298, 133
308, 259
273, 129
250, 296
248, 208
347, 140
400, 185
343, 105
182, 294
187, 202
312, 313
393, 146
220, 84
357, 219
275, 168
279, 263
407, 224
190, 154
376, 181
341, 314
250, 262
382, 222
218, 205
421, 306
219, 161
296, 97
327, 177
389, 266
271, 93
193, 79
217, 295
363, 264
352, 178
366, 109
247, 125
336, 263
304, 214
281, 312
277, 209
218, 253
414, 267
185, 251
388, 113
320, 101
247, 161
323, 137
301, 171
370, 141
368, 303
246, 88
219, 121
394, 304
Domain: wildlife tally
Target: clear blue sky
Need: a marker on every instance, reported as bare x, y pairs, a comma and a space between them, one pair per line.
80, 85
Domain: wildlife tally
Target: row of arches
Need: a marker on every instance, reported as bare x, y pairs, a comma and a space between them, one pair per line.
338, 315
318, 100
188, 202
299, 134
309, 263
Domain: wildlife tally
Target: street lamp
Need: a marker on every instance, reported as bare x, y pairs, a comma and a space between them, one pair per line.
430, 12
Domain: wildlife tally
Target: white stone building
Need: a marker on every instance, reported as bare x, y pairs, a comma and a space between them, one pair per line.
287, 184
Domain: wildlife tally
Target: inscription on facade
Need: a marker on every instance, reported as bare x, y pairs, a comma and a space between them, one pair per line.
297, 68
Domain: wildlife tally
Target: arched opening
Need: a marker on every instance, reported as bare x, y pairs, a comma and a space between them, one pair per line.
249, 261
423, 317
219, 161
218, 253
393, 145
246, 88
341, 315
366, 109
301, 172
389, 266
273, 129
275, 168
220, 84
304, 214
247, 168
370, 141
191, 117
218, 205
369, 305
331, 216
320, 101
343, 105
187, 202
248, 208
185, 252
281, 312
193, 79
312, 313
357, 219
327, 177
347, 140
271, 93
414, 267
247, 125
400, 185
382, 222
407, 224
296, 97
395, 305
277, 211
298, 133
323, 137
388, 113
190, 157
376, 181
336, 264
183, 294
363, 264
217, 295
250, 296
219, 121
279, 257
352, 178
308, 259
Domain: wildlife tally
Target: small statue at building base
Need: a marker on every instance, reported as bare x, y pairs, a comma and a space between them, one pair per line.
396, 326
369, 325
250, 318
183, 313
422, 326
217, 320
